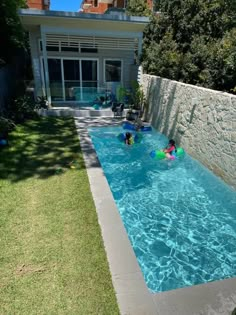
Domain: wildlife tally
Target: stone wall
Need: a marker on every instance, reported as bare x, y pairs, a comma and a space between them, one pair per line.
203, 121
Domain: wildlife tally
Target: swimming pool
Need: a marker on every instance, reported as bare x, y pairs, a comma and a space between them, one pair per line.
180, 218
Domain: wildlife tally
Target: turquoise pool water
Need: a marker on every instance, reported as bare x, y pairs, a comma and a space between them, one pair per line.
180, 218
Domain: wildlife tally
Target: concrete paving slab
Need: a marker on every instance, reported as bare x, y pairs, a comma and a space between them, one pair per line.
137, 304
130, 283
210, 298
109, 219
120, 253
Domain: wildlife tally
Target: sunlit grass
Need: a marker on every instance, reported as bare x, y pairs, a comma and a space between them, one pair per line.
52, 257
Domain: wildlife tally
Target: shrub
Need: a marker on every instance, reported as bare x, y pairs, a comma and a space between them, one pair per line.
6, 125
41, 103
22, 108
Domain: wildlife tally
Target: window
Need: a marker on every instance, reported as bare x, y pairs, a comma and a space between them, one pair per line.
49, 48
72, 49
70, 46
52, 48
86, 48
113, 70
95, 3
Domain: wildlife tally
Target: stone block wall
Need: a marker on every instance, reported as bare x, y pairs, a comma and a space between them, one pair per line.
202, 121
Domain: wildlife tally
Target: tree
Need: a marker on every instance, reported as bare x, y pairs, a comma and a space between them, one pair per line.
168, 60
138, 8
156, 5
11, 31
195, 41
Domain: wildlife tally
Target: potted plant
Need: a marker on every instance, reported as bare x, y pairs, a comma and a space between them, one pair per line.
138, 100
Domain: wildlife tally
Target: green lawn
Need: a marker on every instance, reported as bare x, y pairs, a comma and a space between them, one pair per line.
52, 259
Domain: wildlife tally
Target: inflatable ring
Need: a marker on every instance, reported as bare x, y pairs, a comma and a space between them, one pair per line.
131, 126
137, 137
160, 155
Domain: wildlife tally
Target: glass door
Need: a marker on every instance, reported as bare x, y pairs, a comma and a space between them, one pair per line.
80, 79
72, 82
89, 80
55, 79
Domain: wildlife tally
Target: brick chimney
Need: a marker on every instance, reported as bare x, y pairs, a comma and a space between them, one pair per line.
39, 4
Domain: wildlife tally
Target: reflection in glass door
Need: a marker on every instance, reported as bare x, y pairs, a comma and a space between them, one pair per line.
80, 79
55, 79
89, 80
72, 79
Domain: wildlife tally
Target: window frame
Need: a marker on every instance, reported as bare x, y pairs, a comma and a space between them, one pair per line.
104, 69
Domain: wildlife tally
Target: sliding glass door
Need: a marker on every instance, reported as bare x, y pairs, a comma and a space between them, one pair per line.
90, 83
55, 79
73, 79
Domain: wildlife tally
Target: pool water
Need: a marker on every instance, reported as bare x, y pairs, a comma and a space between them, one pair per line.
180, 218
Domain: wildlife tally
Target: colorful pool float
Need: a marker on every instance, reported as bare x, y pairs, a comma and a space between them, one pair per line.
160, 155
131, 126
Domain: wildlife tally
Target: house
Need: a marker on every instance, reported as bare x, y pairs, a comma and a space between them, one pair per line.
101, 6
77, 57
38, 4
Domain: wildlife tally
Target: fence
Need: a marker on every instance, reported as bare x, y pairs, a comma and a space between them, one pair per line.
7, 86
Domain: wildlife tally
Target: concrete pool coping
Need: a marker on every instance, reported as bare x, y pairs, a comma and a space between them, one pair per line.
133, 296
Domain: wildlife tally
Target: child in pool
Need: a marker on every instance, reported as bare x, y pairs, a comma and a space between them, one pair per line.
170, 150
128, 138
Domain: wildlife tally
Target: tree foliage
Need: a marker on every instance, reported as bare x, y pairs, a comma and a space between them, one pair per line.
193, 41
11, 32
138, 8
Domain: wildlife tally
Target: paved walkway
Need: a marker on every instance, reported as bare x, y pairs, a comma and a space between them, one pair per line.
133, 296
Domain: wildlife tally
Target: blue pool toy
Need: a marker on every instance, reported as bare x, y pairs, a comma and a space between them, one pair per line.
137, 137
130, 126
160, 155
3, 142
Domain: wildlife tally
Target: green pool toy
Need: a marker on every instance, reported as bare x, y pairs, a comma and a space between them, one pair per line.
160, 155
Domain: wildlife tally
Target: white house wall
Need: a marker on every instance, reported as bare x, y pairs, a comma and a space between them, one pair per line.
126, 56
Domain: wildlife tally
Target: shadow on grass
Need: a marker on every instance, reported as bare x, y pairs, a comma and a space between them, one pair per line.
40, 148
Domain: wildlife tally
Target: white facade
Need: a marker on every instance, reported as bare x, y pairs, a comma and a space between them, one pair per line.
76, 56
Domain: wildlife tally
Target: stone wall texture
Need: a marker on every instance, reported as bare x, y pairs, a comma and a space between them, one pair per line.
202, 121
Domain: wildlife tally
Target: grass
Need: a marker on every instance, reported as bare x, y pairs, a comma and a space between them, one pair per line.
52, 257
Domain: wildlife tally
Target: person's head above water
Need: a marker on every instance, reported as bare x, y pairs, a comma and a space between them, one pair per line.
128, 135
172, 142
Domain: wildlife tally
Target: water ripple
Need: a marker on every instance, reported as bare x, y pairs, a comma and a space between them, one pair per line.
180, 218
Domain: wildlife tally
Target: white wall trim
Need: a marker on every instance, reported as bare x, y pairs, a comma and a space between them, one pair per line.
84, 32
